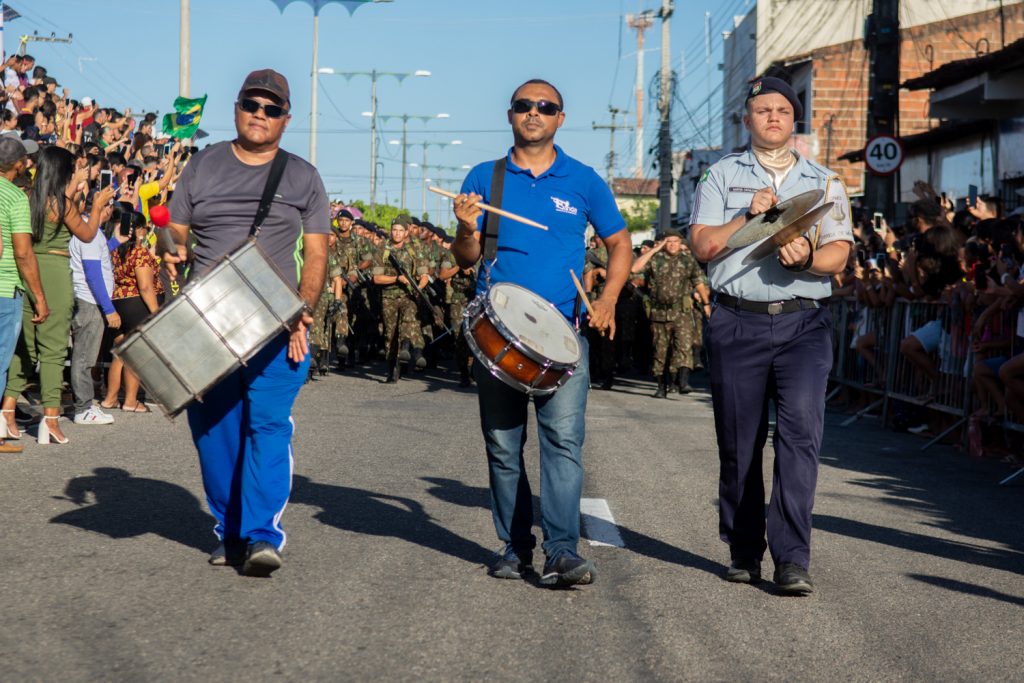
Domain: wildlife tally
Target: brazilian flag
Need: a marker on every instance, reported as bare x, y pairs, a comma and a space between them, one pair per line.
184, 122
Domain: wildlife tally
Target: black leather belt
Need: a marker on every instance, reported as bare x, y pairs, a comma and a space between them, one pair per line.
768, 307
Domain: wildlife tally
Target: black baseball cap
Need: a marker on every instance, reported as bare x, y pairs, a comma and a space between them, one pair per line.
770, 84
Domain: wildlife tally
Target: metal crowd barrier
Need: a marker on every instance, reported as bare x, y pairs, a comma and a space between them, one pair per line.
868, 359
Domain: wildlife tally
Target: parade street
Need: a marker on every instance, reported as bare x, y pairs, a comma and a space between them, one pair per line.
917, 557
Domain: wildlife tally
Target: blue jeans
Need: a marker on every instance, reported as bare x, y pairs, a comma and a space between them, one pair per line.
243, 432
10, 329
560, 428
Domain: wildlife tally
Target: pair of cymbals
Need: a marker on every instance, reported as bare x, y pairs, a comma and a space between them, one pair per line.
780, 225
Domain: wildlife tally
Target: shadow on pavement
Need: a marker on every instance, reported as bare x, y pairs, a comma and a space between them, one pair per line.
455, 492
956, 494
380, 514
968, 588
123, 506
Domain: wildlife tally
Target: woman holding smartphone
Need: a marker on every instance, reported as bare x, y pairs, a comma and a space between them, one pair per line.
138, 292
55, 217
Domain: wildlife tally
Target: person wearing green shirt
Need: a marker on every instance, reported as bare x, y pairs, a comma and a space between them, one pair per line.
54, 218
18, 269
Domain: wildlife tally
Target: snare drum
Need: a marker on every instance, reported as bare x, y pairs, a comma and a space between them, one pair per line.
215, 325
522, 339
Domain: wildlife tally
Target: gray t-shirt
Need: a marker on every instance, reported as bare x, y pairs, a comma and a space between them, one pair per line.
217, 195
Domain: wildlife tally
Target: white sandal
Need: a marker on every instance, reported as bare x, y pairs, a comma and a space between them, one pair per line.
45, 434
5, 429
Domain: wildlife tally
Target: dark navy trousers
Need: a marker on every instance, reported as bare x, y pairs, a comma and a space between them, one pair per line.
757, 358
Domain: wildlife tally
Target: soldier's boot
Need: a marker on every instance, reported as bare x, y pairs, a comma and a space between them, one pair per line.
394, 372
668, 380
608, 382
341, 350
660, 393
314, 353
323, 362
417, 362
464, 376
683, 380
403, 352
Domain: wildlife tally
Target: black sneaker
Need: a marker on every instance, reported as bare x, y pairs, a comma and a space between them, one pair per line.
743, 571
510, 564
230, 553
792, 579
262, 560
568, 569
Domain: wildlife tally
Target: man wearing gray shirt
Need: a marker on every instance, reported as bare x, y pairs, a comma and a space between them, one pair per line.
243, 428
770, 338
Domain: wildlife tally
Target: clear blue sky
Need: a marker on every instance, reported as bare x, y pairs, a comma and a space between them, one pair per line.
477, 50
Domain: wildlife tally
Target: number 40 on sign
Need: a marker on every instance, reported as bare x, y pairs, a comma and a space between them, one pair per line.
883, 154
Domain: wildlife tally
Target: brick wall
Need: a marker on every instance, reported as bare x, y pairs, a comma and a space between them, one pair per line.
840, 80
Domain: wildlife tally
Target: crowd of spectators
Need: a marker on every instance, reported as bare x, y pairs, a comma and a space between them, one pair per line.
955, 272
77, 182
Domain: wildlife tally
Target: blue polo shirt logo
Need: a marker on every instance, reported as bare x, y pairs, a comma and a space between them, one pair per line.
563, 206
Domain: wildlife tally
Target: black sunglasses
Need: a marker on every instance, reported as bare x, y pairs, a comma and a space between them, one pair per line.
543, 106
273, 111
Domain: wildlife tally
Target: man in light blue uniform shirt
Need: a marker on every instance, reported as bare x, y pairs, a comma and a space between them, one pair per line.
543, 183
770, 339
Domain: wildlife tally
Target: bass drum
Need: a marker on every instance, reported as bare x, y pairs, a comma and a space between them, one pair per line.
522, 339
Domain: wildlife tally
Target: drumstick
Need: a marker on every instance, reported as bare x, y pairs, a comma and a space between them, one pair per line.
500, 212
583, 294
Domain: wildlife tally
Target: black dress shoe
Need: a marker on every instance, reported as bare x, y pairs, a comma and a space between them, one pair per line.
743, 571
792, 579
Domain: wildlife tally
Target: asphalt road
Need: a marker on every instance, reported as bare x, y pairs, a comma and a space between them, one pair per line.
917, 558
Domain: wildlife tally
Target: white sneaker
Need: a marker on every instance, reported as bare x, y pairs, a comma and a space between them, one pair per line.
93, 416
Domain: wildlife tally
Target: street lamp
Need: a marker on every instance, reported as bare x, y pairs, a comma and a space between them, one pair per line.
316, 5
405, 130
373, 74
425, 144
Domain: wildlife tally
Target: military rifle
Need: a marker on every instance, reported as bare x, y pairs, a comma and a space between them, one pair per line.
421, 299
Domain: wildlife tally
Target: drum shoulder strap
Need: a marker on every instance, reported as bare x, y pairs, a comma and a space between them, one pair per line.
269, 190
492, 221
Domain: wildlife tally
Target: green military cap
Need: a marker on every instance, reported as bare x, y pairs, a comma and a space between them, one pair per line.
671, 232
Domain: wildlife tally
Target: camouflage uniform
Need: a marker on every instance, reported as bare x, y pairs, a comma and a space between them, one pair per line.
672, 281
349, 252
602, 349
462, 288
319, 335
399, 310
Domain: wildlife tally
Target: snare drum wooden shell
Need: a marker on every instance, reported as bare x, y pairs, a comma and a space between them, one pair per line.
513, 361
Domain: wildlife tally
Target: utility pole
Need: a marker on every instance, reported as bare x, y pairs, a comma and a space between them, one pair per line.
185, 50
665, 132
641, 22
611, 130
882, 41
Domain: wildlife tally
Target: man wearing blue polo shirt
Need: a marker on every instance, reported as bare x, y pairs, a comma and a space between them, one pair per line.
545, 184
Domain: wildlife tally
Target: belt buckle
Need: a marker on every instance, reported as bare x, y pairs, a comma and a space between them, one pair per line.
775, 307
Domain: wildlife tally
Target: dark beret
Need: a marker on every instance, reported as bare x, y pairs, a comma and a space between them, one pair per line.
345, 213
770, 84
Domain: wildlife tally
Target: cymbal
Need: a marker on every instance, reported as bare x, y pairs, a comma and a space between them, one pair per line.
774, 219
788, 233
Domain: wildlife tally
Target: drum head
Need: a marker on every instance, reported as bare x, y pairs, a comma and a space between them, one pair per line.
535, 323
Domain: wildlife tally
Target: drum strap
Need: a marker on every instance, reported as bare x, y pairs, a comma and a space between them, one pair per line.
269, 190
492, 221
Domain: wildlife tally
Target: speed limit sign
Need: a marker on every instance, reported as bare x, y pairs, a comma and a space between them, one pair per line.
883, 154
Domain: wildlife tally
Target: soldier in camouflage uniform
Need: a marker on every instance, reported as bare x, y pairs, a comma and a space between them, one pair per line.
403, 338
672, 277
460, 291
319, 333
352, 254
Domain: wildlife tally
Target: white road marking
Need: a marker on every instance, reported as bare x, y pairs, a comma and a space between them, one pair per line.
599, 526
